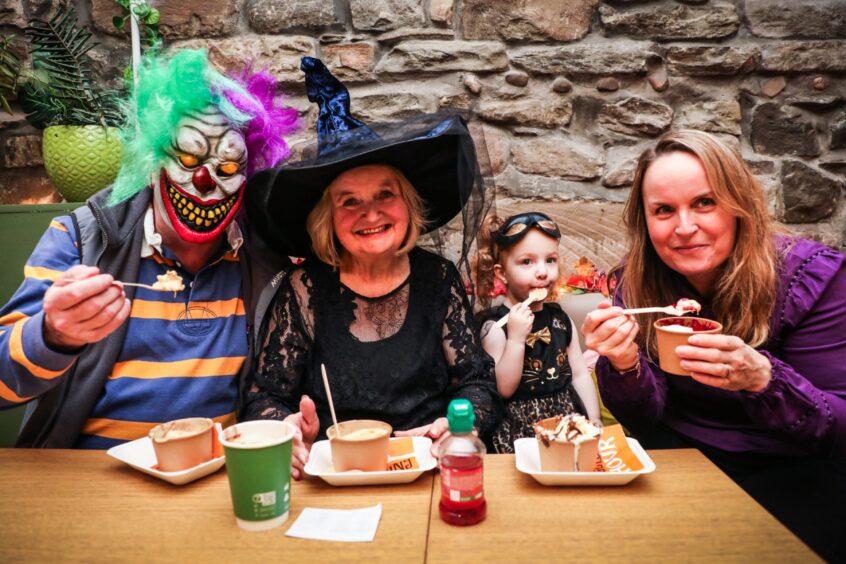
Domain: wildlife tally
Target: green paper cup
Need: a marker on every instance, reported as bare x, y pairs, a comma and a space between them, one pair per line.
258, 462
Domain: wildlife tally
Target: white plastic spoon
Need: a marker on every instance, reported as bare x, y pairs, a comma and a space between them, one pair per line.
536, 295
684, 305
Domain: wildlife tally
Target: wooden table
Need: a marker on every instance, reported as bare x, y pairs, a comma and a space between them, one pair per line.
83, 506
687, 510
63, 505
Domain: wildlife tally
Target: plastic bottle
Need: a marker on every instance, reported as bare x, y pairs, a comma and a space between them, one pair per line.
462, 468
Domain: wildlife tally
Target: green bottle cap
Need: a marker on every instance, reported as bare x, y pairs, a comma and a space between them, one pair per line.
460, 416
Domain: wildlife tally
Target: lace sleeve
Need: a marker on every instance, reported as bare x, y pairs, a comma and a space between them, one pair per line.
471, 370
274, 389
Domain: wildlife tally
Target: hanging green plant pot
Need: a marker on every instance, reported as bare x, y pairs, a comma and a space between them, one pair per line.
81, 160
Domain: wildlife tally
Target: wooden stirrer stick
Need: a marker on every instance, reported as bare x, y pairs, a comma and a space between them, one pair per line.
329, 395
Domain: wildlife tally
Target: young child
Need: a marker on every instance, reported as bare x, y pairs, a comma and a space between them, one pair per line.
540, 371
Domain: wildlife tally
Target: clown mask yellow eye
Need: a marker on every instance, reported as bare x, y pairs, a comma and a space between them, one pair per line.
228, 169
188, 161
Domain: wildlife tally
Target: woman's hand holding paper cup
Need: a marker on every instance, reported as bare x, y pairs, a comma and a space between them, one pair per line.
611, 333
725, 361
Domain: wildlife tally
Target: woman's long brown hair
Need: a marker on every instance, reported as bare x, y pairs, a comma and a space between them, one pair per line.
745, 290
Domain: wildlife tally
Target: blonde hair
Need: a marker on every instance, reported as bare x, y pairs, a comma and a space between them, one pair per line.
320, 227
745, 291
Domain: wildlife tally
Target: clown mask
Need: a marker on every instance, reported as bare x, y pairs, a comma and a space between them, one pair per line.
201, 183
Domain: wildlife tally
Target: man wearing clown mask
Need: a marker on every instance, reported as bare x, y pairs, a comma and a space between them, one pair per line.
100, 362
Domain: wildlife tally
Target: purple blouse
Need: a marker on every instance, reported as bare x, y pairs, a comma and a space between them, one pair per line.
801, 411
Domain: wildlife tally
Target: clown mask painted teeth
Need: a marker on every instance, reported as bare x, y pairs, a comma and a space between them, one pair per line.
201, 184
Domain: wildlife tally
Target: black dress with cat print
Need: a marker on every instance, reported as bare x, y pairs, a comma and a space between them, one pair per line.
546, 385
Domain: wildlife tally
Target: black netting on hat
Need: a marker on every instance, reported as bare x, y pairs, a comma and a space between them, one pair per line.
457, 239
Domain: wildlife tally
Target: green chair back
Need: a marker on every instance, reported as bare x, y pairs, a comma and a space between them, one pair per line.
21, 226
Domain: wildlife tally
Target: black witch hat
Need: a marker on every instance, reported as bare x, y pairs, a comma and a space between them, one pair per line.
435, 152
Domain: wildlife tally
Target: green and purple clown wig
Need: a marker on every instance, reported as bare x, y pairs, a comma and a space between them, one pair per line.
171, 90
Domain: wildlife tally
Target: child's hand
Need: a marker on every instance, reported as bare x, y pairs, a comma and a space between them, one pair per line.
520, 322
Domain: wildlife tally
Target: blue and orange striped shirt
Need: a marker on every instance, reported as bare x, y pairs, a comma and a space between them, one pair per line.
180, 358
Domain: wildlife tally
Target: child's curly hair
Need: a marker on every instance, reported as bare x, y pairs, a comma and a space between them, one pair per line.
487, 255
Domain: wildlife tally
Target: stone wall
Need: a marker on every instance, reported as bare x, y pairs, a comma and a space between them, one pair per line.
569, 91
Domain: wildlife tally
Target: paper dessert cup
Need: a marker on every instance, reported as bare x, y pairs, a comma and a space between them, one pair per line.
669, 339
561, 456
366, 454
183, 443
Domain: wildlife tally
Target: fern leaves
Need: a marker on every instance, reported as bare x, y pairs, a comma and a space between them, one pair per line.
10, 70
64, 91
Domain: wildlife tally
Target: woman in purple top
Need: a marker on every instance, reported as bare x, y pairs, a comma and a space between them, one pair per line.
766, 399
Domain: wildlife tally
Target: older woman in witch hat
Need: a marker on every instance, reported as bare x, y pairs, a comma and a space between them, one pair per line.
390, 321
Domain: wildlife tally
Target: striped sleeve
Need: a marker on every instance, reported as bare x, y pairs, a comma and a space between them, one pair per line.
28, 367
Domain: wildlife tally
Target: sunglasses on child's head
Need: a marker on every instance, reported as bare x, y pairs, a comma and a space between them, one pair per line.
516, 227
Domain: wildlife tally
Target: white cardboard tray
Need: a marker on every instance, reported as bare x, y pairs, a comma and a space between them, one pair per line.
528, 462
320, 463
140, 455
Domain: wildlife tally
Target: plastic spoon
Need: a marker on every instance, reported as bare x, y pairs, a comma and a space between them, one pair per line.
669, 310
149, 287
684, 305
535, 295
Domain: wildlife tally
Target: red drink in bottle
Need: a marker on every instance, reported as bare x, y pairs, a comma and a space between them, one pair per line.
462, 469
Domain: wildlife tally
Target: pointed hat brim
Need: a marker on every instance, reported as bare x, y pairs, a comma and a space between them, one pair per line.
435, 152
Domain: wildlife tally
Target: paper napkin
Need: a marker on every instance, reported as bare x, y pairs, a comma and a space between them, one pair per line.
345, 525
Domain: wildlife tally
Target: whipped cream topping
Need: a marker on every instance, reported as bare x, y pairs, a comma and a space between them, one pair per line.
677, 328
686, 305
170, 281
573, 428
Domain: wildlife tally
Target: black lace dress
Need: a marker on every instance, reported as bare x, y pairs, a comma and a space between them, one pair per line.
546, 385
398, 358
